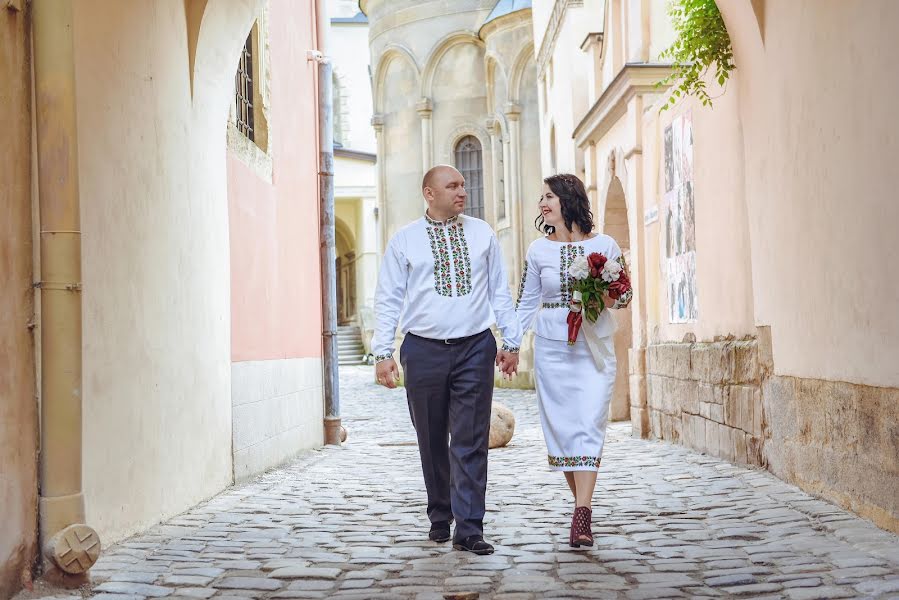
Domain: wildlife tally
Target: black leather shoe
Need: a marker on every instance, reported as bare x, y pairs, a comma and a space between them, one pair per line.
440, 531
475, 544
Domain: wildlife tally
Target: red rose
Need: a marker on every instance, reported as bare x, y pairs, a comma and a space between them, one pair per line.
595, 273
596, 260
620, 287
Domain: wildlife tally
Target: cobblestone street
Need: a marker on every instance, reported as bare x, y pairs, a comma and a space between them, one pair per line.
349, 523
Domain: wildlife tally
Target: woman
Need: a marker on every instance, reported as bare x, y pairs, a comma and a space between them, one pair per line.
574, 384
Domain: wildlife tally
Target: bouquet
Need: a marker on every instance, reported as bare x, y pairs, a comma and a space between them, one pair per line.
592, 276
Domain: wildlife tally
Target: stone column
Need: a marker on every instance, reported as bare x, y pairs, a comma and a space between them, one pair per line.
633, 188
377, 121
425, 109
496, 150
513, 116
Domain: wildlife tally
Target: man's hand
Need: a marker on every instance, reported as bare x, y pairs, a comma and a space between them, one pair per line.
507, 363
387, 373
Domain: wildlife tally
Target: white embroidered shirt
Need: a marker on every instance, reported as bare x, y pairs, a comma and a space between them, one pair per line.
443, 280
544, 295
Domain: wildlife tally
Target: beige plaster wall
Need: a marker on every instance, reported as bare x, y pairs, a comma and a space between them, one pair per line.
820, 145
157, 406
723, 255
18, 407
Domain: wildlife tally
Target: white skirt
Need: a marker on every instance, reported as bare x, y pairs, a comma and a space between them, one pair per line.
574, 397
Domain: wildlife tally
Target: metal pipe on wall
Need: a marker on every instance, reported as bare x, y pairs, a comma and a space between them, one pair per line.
71, 546
328, 251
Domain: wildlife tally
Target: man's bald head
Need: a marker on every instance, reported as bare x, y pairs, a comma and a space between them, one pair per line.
436, 173
443, 188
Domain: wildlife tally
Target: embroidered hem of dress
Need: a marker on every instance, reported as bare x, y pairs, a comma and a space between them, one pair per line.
574, 463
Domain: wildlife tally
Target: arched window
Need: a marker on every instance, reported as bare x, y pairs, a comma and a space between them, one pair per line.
470, 164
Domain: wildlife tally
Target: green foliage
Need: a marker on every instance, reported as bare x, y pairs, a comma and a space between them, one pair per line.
702, 41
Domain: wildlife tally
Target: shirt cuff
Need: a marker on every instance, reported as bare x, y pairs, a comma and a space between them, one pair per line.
383, 357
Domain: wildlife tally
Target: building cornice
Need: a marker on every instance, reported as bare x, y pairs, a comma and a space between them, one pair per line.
634, 79
552, 31
355, 154
508, 21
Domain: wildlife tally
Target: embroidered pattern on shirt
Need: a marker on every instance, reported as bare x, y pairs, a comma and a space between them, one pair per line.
556, 304
442, 279
444, 269
566, 256
573, 461
524, 277
461, 259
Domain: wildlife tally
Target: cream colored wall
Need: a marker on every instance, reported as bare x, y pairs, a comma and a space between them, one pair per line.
157, 404
567, 80
723, 254
820, 145
18, 407
348, 47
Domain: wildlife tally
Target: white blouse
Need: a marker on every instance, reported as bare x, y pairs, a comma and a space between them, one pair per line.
545, 291
443, 280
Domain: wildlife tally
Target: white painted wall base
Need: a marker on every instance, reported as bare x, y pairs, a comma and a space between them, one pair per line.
277, 411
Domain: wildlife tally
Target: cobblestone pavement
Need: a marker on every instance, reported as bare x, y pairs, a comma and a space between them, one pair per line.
350, 523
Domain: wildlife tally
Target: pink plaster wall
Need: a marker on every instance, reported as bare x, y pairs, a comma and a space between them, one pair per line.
275, 274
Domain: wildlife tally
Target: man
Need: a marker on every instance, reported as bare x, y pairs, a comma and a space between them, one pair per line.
446, 269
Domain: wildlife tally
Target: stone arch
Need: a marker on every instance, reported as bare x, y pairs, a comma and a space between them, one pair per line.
616, 224
460, 132
439, 51
493, 67
216, 32
345, 241
391, 53
524, 59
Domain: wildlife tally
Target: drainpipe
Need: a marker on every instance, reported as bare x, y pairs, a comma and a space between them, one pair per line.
70, 547
328, 252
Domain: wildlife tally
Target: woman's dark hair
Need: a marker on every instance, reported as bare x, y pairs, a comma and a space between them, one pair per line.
573, 199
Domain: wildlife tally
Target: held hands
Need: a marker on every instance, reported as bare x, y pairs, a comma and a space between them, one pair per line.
387, 373
507, 363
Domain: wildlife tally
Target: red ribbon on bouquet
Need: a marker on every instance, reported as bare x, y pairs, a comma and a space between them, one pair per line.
574, 319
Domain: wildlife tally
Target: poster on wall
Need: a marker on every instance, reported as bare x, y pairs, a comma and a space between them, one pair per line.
680, 234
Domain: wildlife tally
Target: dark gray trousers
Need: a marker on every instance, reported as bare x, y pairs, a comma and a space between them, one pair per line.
449, 388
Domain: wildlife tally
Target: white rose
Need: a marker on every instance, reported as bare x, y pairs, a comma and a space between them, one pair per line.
611, 271
579, 268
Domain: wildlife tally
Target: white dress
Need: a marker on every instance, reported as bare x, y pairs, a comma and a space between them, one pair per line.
572, 391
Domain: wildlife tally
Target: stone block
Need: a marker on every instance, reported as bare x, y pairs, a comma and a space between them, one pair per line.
746, 364
637, 361
739, 441
765, 350
705, 410
669, 360
638, 390
716, 413
655, 419
712, 444
726, 435
712, 362
754, 451
640, 422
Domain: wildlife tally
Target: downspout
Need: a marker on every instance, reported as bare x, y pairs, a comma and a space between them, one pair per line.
328, 251
70, 546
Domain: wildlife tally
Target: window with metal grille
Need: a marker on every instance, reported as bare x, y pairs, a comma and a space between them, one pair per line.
469, 163
243, 90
